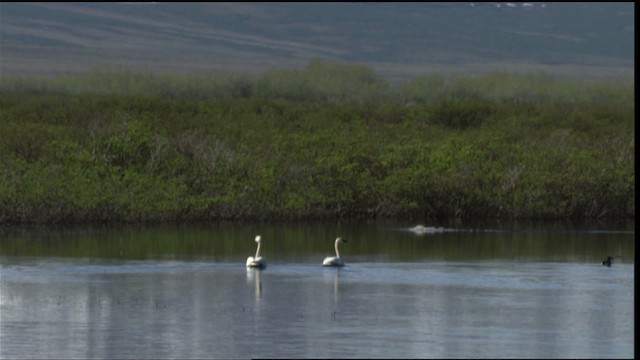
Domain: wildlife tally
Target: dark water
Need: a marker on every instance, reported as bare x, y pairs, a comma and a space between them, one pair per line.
520, 291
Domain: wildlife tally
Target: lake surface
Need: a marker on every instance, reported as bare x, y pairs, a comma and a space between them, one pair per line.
492, 291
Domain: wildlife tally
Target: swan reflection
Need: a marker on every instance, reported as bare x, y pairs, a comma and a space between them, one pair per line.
254, 276
333, 275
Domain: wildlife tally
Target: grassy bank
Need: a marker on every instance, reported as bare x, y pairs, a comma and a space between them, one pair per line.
332, 140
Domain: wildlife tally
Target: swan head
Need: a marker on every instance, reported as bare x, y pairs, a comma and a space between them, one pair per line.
341, 240
258, 238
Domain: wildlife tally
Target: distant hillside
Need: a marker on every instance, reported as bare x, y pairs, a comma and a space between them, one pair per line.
397, 39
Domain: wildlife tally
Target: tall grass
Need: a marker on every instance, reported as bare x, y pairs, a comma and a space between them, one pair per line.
331, 140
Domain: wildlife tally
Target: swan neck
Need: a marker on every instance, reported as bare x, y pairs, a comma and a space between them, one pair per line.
258, 250
337, 253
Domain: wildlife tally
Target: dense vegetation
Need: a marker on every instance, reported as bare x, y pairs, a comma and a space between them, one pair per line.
332, 140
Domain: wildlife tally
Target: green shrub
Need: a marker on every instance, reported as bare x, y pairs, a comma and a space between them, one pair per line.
331, 140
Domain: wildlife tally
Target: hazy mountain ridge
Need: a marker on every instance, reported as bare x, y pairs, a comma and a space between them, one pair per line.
66, 37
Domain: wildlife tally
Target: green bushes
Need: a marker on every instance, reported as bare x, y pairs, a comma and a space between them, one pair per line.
332, 140
461, 113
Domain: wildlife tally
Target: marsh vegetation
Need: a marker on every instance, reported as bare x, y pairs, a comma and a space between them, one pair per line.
333, 140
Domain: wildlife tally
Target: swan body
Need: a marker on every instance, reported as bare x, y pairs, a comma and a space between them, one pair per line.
257, 261
335, 260
332, 261
421, 229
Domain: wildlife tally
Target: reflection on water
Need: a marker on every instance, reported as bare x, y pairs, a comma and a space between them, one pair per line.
539, 293
206, 310
311, 242
253, 276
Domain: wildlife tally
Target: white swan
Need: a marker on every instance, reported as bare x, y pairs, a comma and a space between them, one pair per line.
421, 229
258, 261
334, 260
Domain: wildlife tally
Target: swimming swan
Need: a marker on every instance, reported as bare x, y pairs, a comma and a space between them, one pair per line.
258, 261
421, 229
334, 260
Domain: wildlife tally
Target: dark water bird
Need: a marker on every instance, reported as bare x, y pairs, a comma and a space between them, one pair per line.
257, 261
335, 260
607, 261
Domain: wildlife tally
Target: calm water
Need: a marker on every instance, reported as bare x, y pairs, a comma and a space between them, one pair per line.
183, 292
